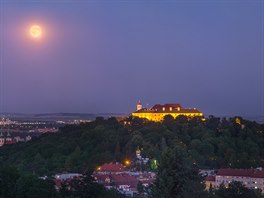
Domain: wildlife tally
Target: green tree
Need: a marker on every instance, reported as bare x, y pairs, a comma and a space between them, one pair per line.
73, 159
86, 187
117, 152
176, 177
33, 187
140, 187
65, 191
79, 147
236, 190
8, 179
164, 145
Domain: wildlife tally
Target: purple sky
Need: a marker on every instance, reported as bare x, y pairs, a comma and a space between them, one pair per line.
103, 56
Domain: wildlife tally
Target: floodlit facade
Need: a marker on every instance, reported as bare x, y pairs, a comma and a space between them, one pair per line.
158, 111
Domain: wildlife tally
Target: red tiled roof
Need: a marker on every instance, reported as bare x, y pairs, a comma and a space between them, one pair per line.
112, 167
101, 178
189, 111
125, 179
254, 173
158, 108
10, 142
210, 178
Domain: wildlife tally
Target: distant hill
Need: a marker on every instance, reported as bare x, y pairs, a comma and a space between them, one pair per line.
59, 116
259, 119
88, 116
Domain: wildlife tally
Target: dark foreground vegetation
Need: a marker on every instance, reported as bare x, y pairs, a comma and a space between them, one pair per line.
15, 185
180, 146
178, 178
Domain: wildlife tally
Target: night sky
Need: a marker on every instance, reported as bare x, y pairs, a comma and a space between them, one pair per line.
104, 56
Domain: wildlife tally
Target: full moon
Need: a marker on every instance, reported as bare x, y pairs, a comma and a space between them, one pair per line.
35, 31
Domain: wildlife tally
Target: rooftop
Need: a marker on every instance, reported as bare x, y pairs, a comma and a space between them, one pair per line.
168, 108
253, 173
125, 179
112, 167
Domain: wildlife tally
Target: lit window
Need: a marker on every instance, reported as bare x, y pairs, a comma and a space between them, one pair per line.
163, 108
170, 108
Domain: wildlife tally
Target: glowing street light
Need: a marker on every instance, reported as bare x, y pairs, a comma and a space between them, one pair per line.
127, 162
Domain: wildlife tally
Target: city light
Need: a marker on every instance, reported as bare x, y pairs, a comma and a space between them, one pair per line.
127, 162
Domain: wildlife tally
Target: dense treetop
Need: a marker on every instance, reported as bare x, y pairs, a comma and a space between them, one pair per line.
213, 143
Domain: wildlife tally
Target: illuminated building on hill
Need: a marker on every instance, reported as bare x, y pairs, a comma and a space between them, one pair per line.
158, 111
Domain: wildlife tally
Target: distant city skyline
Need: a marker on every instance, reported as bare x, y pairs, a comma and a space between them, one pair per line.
105, 56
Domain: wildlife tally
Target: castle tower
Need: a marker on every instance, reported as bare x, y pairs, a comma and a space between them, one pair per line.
139, 106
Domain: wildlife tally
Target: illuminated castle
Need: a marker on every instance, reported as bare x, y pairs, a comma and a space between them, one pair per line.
158, 111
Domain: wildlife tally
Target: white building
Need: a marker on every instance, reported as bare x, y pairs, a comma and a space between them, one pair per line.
250, 178
65, 176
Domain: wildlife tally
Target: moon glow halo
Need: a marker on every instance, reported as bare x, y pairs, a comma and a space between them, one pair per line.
35, 31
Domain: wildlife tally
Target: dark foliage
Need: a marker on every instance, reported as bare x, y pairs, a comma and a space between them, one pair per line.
86, 187
177, 177
235, 190
211, 144
15, 185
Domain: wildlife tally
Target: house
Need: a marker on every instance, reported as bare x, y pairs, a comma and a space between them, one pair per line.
114, 175
6, 140
124, 183
47, 130
250, 178
146, 178
105, 180
64, 178
110, 168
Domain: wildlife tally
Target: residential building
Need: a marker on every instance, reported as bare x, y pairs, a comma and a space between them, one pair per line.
5, 140
114, 175
251, 178
110, 168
